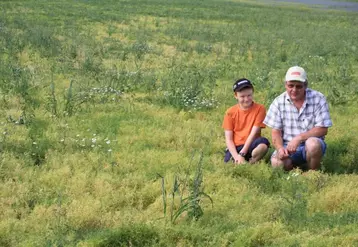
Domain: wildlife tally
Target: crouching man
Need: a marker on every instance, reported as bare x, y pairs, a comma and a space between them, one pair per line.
299, 119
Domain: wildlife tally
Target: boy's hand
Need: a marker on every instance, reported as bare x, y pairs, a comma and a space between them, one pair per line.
240, 160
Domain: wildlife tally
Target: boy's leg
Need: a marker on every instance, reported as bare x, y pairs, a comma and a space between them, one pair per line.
258, 153
228, 155
258, 149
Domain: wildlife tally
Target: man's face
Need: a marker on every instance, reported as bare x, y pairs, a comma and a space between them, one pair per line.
296, 90
244, 98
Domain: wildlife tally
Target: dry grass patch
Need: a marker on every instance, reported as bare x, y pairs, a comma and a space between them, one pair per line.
337, 198
85, 212
102, 31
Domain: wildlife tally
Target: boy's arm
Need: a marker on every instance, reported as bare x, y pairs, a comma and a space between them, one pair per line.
229, 134
256, 129
254, 132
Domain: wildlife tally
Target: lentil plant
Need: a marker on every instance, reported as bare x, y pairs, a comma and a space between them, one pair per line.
99, 97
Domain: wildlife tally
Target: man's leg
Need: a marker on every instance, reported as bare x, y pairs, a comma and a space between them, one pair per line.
286, 163
315, 149
296, 159
258, 153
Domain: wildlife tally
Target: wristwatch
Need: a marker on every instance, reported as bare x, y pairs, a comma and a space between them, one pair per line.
242, 154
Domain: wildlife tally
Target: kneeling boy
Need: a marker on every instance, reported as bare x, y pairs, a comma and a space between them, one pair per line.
242, 124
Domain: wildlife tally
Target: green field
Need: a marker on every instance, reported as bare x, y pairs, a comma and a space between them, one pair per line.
111, 113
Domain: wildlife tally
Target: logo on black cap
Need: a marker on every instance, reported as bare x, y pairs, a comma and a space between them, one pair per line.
241, 84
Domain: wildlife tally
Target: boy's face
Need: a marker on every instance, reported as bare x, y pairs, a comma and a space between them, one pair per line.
244, 98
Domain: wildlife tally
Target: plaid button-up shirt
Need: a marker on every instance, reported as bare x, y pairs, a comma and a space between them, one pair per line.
284, 116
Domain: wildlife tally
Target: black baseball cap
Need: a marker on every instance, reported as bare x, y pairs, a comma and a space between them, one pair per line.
241, 84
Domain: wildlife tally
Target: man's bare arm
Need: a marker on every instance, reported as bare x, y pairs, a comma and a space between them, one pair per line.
277, 140
297, 140
314, 132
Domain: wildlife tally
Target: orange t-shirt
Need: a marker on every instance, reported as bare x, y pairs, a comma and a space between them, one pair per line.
241, 121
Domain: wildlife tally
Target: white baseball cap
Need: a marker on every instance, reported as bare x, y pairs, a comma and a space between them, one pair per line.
296, 73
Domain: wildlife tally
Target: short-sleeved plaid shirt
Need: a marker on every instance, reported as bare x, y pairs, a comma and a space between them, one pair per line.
284, 116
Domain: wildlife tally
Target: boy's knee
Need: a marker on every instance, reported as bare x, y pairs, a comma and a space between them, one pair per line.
262, 148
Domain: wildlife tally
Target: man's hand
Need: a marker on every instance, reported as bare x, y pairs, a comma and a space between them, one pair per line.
282, 153
293, 144
239, 160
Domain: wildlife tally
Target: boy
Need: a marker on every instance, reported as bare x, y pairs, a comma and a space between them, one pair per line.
242, 124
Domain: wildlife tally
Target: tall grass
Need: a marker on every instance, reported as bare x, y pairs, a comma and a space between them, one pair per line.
190, 193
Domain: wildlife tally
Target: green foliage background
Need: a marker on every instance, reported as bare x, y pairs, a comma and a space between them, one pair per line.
98, 98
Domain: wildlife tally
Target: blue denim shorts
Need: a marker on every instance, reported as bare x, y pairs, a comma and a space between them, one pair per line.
299, 157
254, 144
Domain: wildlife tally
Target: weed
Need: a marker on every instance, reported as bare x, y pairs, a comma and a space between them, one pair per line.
39, 142
139, 49
52, 101
76, 101
190, 204
189, 88
88, 143
43, 38
70, 103
164, 195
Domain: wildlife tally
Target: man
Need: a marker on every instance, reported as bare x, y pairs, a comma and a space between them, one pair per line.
242, 124
299, 119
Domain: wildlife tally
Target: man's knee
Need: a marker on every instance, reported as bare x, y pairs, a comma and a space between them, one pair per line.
313, 146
